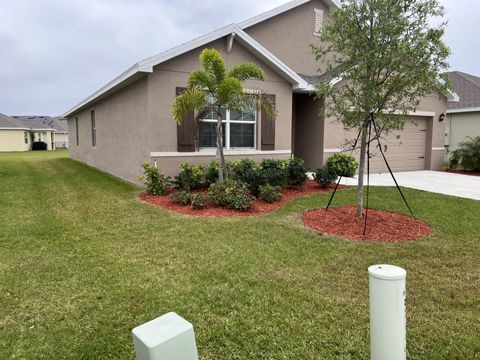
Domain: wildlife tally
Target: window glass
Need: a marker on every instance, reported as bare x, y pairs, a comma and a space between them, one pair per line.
242, 135
208, 134
239, 129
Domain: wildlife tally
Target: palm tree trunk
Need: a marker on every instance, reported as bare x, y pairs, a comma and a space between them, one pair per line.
220, 156
361, 171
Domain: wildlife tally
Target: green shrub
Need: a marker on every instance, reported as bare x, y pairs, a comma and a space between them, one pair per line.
191, 177
454, 161
296, 172
344, 165
181, 197
156, 182
199, 201
325, 176
216, 193
274, 172
468, 154
269, 193
231, 194
246, 171
211, 172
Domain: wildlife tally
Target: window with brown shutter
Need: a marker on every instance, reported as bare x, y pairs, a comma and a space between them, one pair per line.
268, 129
185, 131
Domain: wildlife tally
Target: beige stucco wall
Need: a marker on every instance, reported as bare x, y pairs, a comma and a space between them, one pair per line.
437, 104
137, 120
170, 165
459, 127
12, 140
289, 35
309, 130
121, 133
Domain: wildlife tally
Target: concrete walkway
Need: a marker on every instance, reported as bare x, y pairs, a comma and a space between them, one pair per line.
464, 186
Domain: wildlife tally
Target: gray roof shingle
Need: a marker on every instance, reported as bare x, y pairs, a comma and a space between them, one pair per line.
468, 89
44, 122
6, 122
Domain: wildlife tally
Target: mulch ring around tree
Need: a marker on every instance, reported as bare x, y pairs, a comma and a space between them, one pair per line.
383, 226
259, 207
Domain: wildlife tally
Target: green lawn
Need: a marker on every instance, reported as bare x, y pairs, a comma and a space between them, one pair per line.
82, 262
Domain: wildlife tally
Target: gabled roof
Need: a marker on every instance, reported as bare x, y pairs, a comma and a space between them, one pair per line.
8, 123
15, 123
146, 66
468, 88
281, 9
45, 122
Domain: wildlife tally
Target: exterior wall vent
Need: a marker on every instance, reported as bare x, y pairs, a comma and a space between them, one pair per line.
318, 21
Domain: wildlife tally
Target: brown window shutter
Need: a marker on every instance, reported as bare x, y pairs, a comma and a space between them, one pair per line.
185, 136
268, 129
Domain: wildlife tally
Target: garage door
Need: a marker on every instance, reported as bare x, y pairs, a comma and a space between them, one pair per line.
405, 150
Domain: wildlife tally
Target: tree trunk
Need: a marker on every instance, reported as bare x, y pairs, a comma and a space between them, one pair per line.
221, 159
361, 171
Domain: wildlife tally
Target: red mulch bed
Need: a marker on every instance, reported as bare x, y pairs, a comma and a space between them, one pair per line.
464, 172
259, 207
383, 226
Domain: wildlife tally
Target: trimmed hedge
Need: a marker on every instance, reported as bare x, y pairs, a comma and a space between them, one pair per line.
344, 165
325, 176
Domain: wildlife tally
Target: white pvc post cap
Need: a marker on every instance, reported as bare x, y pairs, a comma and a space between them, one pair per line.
167, 337
387, 272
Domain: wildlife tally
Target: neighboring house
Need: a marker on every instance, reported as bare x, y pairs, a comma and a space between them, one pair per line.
19, 135
463, 120
129, 121
59, 124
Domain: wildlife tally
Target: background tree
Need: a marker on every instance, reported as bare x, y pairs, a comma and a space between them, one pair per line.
213, 89
389, 55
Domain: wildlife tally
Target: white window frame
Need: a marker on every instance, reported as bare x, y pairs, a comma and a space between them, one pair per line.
226, 123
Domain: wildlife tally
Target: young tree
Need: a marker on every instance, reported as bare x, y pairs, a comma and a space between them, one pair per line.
213, 89
389, 56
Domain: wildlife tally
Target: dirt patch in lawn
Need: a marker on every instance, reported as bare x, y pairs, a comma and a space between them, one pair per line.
259, 207
383, 226
464, 172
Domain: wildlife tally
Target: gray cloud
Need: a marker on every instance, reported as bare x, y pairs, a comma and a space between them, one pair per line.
54, 53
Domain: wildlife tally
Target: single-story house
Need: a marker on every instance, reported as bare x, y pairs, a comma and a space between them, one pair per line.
57, 123
19, 135
129, 121
463, 119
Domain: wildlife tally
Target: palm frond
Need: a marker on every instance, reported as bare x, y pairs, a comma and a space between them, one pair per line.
247, 71
191, 100
202, 80
214, 64
229, 91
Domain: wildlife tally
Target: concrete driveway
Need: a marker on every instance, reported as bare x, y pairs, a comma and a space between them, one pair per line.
464, 186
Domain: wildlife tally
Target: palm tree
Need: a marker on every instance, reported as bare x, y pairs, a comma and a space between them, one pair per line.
213, 89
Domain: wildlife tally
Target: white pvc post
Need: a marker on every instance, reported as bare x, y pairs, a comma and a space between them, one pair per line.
169, 337
388, 332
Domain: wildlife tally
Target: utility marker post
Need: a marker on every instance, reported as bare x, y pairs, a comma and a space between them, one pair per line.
388, 331
169, 337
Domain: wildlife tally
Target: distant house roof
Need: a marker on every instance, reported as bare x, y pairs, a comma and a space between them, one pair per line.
468, 88
44, 122
8, 123
19, 123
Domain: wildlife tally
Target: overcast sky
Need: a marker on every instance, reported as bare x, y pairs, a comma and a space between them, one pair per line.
54, 53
